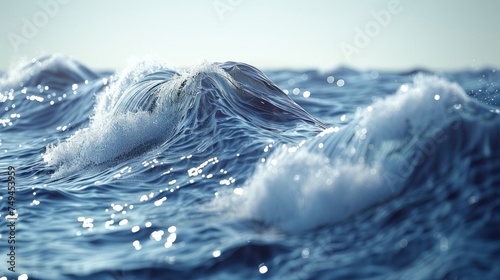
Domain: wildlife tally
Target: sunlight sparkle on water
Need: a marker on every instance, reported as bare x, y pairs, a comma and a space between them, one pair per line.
135, 229
157, 235
238, 191
87, 222
263, 269
160, 201
172, 229
117, 207
137, 245
305, 253
170, 240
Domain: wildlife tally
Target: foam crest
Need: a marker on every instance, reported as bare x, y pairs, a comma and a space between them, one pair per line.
116, 133
301, 190
413, 109
145, 106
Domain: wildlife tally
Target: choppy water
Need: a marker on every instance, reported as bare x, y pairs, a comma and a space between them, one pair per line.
223, 172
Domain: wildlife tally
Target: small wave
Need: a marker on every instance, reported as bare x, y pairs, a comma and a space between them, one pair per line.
56, 71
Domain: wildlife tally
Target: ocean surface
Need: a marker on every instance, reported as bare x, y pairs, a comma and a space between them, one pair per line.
222, 171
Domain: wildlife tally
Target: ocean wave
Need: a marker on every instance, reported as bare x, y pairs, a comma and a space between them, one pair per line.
149, 104
213, 171
345, 170
56, 71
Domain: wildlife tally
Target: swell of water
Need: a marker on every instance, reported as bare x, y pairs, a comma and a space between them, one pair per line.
344, 170
220, 171
144, 110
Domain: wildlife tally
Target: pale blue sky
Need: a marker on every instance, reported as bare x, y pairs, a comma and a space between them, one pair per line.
268, 34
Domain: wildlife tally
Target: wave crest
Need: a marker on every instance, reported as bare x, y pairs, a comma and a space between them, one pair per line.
150, 103
345, 170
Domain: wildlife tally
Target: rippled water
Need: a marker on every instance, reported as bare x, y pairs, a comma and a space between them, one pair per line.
223, 172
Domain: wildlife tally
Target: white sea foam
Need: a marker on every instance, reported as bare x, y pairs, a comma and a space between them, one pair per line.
111, 135
106, 139
120, 127
301, 190
412, 109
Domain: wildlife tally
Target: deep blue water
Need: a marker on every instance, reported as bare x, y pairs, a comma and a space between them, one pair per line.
224, 172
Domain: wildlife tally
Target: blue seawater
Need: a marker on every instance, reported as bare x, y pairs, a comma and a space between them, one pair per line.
222, 171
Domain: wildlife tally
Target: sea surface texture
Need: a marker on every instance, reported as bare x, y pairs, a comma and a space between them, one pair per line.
222, 171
